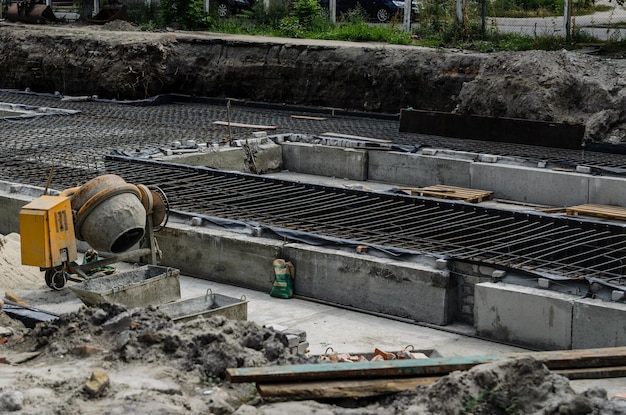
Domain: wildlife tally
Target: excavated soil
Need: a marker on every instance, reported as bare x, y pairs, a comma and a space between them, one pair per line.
118, 61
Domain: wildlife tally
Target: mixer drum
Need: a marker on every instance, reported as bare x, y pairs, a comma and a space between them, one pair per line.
108, 214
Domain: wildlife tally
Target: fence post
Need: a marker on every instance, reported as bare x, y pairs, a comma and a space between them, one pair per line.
459, 12
333, 11
567, 19
406, 26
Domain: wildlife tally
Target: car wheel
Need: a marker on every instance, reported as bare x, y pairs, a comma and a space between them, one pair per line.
222, 9
383, 15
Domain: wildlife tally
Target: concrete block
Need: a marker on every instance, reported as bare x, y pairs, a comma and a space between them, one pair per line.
531, 185
10, 206
607, 190
277, 327
227, 257
296, 332
292, 340
524, 315
303, 347
326, 161
598, 324
381, 285
417, 170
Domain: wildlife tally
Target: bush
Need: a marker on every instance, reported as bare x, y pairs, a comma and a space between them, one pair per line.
189, 14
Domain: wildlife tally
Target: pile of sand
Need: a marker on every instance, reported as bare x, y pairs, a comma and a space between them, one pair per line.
14, 275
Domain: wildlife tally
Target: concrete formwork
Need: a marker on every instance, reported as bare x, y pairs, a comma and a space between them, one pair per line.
417, 170
523, 315
12, 198
598, 324
531, 185
607, 190
404, 289
327, 161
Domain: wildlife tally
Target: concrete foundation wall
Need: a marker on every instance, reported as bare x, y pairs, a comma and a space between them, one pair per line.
547, 319
267, 157
326, 161
369, 283
381, 285
523, 315
12, 198
598, 324
607, 190
220, 256
511, 182
531, 185
417, 170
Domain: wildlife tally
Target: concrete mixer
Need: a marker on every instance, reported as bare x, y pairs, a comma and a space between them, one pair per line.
113, 217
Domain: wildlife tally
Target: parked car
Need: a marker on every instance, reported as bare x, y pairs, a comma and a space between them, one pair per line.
226, 8
380, 10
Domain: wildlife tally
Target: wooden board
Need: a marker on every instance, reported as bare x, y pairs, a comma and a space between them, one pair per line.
308, 117
450, 192
554, 360
361, 388
356, 137
602, 211
342, 388
236, 124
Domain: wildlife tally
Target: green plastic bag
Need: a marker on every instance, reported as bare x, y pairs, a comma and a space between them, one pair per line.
283, 282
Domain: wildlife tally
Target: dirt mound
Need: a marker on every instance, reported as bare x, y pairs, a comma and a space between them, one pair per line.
551, 86
14, 275
158, 366
143, 351
120, 25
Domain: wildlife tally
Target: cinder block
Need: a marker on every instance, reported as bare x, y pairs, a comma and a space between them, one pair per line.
524, 315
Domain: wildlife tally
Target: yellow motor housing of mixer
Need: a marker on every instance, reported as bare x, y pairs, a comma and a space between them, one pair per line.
47, 232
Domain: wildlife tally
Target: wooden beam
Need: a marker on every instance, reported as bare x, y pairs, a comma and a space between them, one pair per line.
593, 372
354, 389
342, 388
357, 137
308, 117
562, 359
236, 124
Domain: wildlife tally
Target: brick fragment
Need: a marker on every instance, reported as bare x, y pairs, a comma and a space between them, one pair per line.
97, 383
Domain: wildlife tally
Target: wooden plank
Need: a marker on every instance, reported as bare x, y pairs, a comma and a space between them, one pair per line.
308, 117
236, 124
603, 211
562, 359
333, 389
593, 372
342, 388
552, 210
357, 137
450, 192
